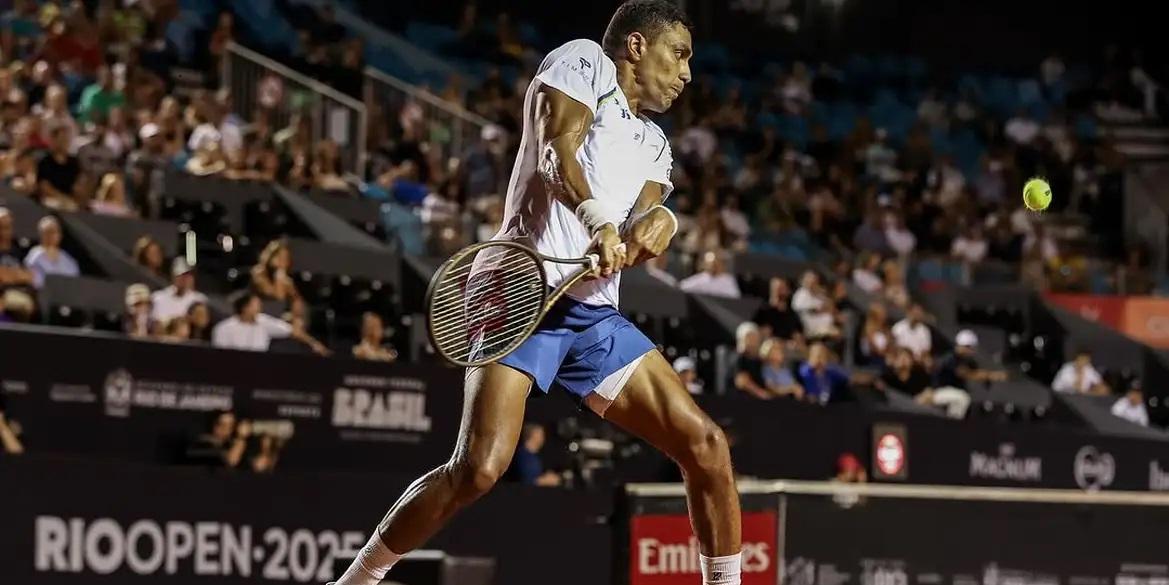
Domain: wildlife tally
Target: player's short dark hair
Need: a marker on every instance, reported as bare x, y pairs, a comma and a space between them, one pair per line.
647, 17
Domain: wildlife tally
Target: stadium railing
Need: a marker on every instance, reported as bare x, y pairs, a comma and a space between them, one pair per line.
258, 82
448, 126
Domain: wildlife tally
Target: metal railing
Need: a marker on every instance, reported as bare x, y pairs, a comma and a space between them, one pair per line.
260, 84
442, 124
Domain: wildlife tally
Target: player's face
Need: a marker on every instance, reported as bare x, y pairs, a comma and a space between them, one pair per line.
664, 69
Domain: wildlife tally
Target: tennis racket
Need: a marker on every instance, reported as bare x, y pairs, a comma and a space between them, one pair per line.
488, 298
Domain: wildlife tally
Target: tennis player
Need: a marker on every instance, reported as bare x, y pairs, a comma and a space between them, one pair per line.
592, 173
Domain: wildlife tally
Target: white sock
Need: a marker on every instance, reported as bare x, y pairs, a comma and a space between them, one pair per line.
372, 563
721, 570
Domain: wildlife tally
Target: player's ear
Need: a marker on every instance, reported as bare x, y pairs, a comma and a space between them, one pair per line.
636, 45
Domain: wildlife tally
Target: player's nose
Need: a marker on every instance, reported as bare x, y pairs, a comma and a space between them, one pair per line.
684, 75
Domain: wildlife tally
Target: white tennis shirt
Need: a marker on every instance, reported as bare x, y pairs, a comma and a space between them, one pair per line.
620, 153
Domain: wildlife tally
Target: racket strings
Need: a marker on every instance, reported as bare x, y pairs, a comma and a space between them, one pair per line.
484, 302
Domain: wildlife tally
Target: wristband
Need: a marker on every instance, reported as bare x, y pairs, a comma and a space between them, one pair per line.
673, 217
594, 215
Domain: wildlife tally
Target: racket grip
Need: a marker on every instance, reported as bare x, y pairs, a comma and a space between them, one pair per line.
595, 260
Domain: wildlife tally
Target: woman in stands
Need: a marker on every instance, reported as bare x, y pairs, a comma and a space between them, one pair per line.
148, 254
270, 275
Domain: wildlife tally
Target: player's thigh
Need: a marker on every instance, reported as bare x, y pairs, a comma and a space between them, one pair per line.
494, 397
655, 406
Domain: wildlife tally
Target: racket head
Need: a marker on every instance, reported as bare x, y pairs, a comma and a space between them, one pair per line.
484, 301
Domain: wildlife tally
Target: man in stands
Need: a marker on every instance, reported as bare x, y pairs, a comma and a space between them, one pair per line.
1079, 376
714, 279
250, 329
776, 318
12, 271
528, 464
174, 300
47, 257
1131, 406
58, 173
913, 334
956, 371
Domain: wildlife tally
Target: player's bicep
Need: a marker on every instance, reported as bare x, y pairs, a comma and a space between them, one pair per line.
561, 121
652, 194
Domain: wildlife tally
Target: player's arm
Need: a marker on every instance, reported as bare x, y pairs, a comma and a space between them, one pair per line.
652, 228
562, 123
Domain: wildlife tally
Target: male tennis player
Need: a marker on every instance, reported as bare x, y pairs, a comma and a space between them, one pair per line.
592, 173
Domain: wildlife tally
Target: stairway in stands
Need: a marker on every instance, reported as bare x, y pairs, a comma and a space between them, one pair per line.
1142, 140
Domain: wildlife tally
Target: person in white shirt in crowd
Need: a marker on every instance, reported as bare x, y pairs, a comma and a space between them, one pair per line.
865, 276
913, 334
714, 278
1079, 376
1048, 250
970, 247
47, 257
688, 371
900, 239
371, 347
251, 330
814, 307
174, 300
137, 322
1131, 406
1022, 129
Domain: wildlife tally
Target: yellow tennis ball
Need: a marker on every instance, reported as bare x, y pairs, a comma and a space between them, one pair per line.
1036, 194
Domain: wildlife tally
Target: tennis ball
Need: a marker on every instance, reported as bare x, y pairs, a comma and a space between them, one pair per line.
1036, 194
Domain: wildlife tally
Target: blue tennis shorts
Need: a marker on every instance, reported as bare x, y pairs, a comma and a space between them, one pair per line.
591, 351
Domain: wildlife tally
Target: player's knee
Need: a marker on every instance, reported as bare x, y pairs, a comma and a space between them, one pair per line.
473, 479
707, 452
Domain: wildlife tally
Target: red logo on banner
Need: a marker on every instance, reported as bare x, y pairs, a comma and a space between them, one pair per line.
1103, 309
1146, 319
664, 551
890, 454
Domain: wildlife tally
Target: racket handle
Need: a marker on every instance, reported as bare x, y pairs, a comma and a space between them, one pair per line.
595, 260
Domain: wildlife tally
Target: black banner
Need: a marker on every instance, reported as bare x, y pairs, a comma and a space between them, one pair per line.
897, 541
65, 522
113, 397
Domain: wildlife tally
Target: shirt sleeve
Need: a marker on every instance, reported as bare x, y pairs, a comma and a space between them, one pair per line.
1064, 380
580, 70
276, 328
663, 165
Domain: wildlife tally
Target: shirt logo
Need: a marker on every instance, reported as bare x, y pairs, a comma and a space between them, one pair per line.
584, 63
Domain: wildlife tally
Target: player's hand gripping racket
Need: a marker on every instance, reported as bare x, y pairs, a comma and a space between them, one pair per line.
488, 298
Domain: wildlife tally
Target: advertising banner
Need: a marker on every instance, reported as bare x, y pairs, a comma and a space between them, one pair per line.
1146, 319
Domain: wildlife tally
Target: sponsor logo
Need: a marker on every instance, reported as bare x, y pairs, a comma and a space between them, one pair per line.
14, 386
585, 64
123, 392
207, 549
291, 403
71, 393
1006, 465
385, 404
890, 454
992, 574
1158, 478
1094, 469
665, 551
1142, 574
881, 572
799, 571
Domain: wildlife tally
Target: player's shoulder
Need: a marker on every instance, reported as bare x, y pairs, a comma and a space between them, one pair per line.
587, 50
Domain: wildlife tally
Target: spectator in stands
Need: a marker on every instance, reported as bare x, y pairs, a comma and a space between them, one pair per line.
816, 309
175, 300
687, 370
371, 346
822, 379
850, 470
1131, 406
95, 156
137, 322
970, 247
777, 319
528, 464
901, 241
12, 270
875, 337
956, 371
208, 158
177, 330
111, 197
55, 114
894, 289
146, 165
223, 444
713, 280
748, 366
100, 97
271, 277
58, 173
9, 432
658, 267
777, 375
914, 334
1079, 376
199, 321
326, 171
47, 257
866, 274
905, 375
870, 236
250, 329
148, 254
